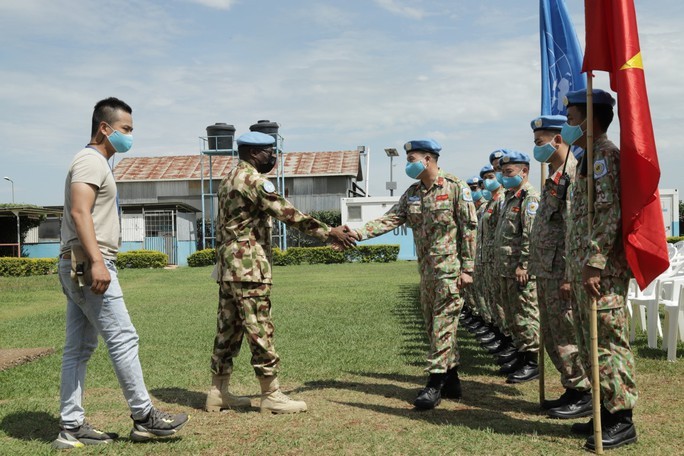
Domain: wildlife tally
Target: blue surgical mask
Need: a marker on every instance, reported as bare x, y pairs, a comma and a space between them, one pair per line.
486, 194
543, 153
499, 177
513, 181
477, 195
492, 185
121, 143
571, 133
414, 169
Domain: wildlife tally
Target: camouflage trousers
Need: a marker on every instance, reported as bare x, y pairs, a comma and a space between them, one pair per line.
615, 357
477, 291
559, 330
441, 303
244, 309
522, 313
493, 298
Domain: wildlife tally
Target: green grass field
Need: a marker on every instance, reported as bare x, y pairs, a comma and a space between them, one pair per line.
352, 345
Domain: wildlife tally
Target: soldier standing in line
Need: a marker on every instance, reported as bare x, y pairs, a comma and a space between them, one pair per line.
518, 287
547, 264
439, 208
501, 346
247, 201
597, 269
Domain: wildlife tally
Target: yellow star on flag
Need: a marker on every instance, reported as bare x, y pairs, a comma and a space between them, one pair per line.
634, 62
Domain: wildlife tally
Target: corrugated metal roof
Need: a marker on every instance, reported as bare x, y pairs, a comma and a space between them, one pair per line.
188, 167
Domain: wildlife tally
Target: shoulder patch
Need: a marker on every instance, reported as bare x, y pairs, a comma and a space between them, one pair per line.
413, 199
268, 186
466, 194
532, 207
600, 168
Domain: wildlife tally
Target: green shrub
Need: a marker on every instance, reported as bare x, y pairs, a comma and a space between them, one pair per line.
141, 259
289, 257
381, 253
206, 257
675, 239
22, 267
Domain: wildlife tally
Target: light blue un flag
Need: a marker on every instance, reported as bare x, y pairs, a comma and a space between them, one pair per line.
561, 56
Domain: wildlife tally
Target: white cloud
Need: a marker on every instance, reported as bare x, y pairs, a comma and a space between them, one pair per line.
217, 4
397, 7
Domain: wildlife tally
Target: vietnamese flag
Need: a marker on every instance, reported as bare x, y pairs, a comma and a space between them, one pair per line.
612, 45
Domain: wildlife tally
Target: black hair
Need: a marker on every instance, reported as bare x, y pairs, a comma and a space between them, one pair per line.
106, 111
602, 112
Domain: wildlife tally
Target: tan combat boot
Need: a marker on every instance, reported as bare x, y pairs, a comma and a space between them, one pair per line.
219, 397
274, 401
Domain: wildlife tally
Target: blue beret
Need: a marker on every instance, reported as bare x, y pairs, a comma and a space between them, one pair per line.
426, 145
497, 154
580, 97
513, 156
486, 169
474, 180
255, 138
548, 123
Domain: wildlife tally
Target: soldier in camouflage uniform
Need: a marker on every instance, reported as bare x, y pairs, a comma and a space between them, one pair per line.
440, 211
502, 343
547, 264
247, 201
518, 287
597, 269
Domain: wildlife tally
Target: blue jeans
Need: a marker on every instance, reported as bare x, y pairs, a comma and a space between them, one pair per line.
87, 316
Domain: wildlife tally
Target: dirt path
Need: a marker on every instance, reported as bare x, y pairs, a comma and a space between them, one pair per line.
10, 357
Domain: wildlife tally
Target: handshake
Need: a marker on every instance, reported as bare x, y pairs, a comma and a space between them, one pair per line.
343, 237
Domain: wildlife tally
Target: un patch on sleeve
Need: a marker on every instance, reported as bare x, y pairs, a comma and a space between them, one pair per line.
600, 168
467, 194
532, 207
268, 186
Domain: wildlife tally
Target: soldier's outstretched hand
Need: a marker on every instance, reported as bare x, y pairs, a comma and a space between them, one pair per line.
344, 236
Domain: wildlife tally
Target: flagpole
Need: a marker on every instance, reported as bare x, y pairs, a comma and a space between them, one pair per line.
542, 392
593, 317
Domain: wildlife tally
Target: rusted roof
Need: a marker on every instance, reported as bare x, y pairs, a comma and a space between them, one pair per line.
188, 167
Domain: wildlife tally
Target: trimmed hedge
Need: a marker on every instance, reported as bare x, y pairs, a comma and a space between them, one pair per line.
23, 267
675, 239
206, 257
141, 259
381, 253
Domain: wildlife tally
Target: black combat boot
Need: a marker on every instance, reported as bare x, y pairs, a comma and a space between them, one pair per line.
507, 355
513, 365
529, 370
430, 396
565, 398
491, 336
476, 324
579, 406
482, 331
617, 429
452, 384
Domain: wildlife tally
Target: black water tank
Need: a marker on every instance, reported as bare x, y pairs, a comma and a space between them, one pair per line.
220, 136
265, 126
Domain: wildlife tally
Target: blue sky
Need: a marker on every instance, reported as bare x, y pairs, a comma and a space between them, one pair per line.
334, 74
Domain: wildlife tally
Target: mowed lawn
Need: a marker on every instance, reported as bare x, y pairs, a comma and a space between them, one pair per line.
352, 344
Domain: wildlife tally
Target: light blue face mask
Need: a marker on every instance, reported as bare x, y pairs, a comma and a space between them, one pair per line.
414, 169
491, 184
486, 194
571, 133
477, 195
499, 177
120, 142
512, 182
544, 153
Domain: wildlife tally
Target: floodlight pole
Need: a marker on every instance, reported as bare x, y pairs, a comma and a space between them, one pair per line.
11, 182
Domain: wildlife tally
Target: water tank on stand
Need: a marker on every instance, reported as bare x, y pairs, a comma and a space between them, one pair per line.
220, 136
266, 127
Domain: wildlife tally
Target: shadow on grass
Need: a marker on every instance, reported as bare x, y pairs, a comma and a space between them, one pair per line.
31, 426
187, 398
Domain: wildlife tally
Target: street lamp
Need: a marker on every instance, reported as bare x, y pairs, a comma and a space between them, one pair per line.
12, 182
391, 185
366, 151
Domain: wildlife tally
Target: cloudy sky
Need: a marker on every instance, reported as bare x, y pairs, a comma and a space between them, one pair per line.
334, 74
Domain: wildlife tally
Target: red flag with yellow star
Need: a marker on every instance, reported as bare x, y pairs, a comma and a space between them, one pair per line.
612, 45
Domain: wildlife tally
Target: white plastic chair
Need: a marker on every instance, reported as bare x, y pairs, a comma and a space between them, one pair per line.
639, 302
674, 323
671, 251
679, 245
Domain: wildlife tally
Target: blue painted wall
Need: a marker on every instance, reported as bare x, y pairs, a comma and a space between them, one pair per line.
42, 250
402, 236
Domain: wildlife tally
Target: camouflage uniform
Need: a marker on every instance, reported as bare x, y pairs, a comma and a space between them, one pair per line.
444, 227
491, 278
476, 293
512, 244
247, 201
547, 264
603, 250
